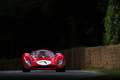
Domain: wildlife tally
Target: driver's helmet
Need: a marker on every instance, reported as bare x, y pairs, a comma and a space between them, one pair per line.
37, 52
42, 52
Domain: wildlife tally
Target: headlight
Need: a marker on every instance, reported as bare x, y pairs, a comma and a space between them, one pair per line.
28, 63
60, 62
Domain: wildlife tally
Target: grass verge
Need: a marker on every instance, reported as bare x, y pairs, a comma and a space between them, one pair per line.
112, 74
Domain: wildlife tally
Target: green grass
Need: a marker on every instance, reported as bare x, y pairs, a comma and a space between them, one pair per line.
112, 74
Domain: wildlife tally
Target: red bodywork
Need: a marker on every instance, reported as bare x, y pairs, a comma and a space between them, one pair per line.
52, 66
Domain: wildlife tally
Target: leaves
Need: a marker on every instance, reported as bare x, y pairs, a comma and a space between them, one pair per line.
112, 25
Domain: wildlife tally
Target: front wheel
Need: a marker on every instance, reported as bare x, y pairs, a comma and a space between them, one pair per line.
25, 70
61, 70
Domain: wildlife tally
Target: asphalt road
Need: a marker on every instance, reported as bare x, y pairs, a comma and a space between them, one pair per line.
47, 75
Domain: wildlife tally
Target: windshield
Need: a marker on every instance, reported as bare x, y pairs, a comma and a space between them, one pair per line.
43, 54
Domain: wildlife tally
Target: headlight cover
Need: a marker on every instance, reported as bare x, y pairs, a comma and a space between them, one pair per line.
28, 63
60, 61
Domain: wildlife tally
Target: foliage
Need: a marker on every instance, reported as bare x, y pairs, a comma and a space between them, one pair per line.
112, 23
112, 74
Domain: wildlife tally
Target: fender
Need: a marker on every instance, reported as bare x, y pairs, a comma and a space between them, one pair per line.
26, 56
60, 56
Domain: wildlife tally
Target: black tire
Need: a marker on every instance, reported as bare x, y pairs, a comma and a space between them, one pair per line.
25, 70
61, 70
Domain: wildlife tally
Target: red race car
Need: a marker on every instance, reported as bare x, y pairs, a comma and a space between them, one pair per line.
43, 59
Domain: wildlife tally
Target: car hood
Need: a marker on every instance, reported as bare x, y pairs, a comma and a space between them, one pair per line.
50, 59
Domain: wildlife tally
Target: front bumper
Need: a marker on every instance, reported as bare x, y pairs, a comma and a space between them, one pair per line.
44, 67
48, 67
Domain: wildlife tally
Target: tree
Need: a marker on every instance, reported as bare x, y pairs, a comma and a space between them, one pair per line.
112, 23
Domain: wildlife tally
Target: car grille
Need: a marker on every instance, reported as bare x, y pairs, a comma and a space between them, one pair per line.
44, 66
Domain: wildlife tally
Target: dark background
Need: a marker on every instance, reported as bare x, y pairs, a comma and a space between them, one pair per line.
27, 25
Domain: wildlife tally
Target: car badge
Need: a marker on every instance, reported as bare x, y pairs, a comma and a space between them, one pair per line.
43, 62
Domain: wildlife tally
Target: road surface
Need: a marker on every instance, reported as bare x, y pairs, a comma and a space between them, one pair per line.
47, 75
